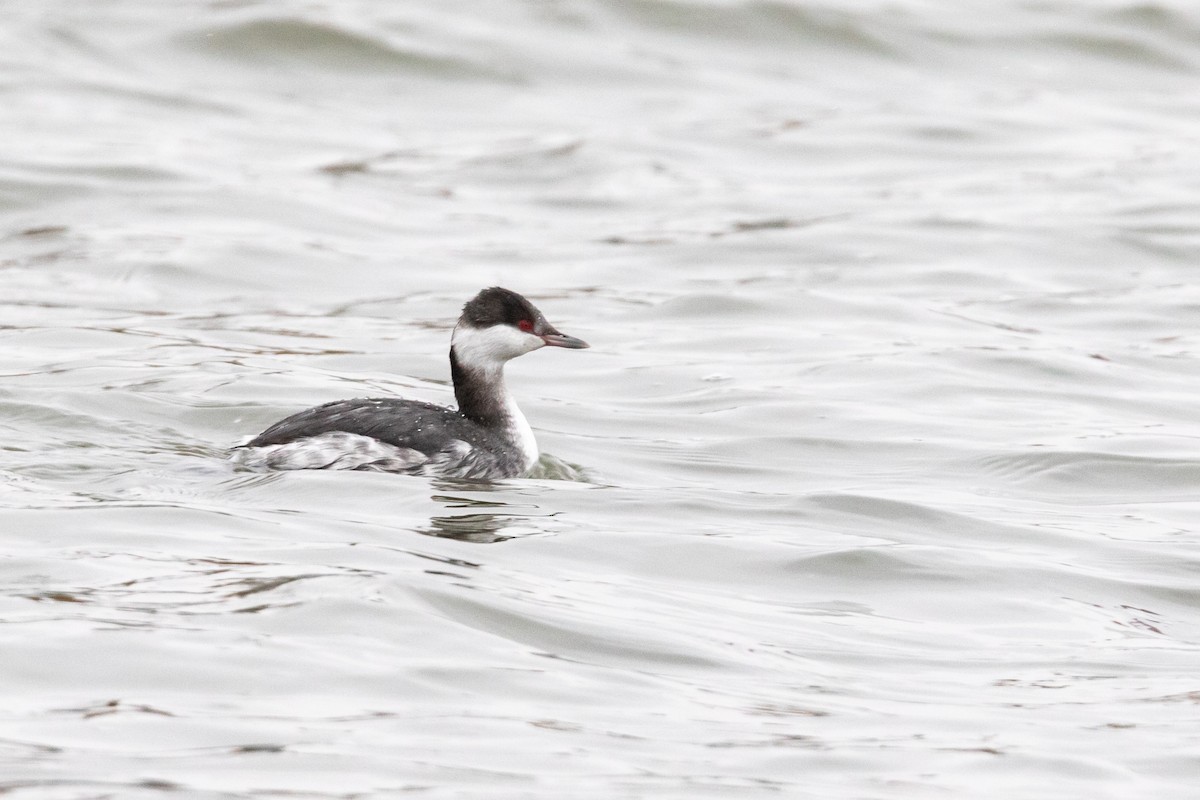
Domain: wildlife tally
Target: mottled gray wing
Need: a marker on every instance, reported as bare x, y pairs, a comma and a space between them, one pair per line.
333, 450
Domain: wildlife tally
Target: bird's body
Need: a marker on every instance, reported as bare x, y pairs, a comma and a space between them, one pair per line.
486, 437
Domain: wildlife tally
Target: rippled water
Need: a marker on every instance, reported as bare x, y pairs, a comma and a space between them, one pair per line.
880, 480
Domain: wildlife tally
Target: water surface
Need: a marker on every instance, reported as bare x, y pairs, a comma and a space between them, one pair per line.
879, 480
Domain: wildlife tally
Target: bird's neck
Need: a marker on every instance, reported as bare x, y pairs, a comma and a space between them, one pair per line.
480, 390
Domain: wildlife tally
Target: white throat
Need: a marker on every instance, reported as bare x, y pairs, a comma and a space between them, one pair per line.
519, 432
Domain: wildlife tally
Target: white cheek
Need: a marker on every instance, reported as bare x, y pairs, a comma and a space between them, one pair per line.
499, 343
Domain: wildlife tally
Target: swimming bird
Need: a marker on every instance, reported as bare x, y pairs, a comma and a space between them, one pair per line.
486, 437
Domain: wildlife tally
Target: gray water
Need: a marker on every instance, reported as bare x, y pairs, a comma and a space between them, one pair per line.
880, 479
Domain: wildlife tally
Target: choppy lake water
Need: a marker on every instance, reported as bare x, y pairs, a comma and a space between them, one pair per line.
880, 479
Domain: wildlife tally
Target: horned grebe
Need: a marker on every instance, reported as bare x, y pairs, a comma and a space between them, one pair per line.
487, 437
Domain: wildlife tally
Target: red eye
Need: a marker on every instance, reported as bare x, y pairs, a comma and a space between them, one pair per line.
525, 325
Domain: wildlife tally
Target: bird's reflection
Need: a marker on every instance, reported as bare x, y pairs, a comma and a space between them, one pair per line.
477, 525
489, 515
478, 528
